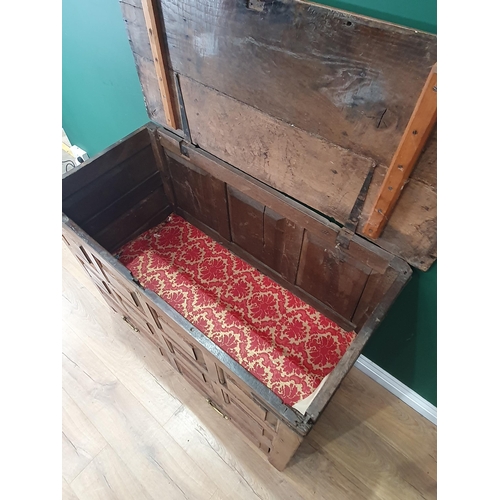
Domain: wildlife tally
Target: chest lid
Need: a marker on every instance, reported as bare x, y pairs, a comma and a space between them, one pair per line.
333, 109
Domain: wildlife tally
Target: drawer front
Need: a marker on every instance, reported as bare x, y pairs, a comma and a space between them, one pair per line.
246, 423
251, 402
181, 344
144, 327
126, 292
196, 377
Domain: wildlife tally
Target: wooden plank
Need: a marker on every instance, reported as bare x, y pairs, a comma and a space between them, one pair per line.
67, 492
150, 89
201, 195
197, 440
134, 18
247, 222
135, 21
375, 288
305, 167
282, 244
90, 170
411, 232
123, 204
81, 441
410, 147
334, 279
152, 15
329, 477
109, 187
158, 462
265, 482
123, 228
352, 80
162, 166
390, 418
108, 477
374, 460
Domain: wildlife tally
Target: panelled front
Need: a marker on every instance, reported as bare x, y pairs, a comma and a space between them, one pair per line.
224, 391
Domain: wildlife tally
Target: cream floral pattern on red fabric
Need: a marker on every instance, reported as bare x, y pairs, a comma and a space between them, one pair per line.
285, 343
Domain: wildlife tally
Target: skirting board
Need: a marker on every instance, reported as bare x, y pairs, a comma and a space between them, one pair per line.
393, 385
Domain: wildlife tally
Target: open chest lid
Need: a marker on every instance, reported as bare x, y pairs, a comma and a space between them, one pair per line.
333, 109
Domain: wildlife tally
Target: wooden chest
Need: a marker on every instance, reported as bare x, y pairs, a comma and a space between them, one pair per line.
211, 231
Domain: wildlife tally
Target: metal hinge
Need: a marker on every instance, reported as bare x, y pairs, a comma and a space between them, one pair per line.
184, 150
182, 109
344, 238
347, 232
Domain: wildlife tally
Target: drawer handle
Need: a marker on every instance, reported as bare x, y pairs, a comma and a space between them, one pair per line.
217, 409
130, 324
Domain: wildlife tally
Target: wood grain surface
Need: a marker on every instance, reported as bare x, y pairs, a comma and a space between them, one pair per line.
307, 168
154, 25
349, 79
139, 431
316, 172
420, 126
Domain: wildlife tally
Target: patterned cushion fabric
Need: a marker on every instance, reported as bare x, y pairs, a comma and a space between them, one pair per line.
282, 341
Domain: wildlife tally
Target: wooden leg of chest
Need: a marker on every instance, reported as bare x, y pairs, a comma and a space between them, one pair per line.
284, 446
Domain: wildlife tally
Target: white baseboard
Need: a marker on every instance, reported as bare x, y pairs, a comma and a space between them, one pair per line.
393, 385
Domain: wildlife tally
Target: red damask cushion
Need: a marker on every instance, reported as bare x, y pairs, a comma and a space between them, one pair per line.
285, 343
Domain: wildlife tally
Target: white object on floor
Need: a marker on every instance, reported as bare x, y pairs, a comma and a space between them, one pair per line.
72, 156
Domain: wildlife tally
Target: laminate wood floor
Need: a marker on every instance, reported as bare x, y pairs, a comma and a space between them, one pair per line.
133, 429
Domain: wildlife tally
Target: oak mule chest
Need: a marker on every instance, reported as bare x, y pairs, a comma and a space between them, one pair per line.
258, 229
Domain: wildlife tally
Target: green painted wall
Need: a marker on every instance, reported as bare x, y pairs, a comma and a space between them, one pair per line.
102, 102
101, 95
405, 344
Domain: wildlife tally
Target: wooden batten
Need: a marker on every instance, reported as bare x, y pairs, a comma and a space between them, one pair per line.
160, 59
306, 99
413, 141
